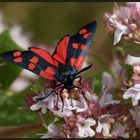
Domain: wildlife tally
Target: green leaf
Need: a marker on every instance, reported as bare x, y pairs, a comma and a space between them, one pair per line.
11, 114
8, 72
131, 48
59, 122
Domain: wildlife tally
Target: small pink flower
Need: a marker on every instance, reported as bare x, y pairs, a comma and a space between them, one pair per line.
134, 93
104, 124
39, 105
80, 106
84, 127
136, 75
124, 21
93, 98
107, 80
44, 105
120, 29
136, 69
132, 60
136, 115
53, 131
63, 110
107, 99
119, 130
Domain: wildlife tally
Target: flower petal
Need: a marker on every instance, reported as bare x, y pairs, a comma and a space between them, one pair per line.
99, 127
106, 128
117, 36
106, 99
107, 80
134, 101
90, 122
129, 93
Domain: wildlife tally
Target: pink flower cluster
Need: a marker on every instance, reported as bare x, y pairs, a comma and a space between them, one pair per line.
133, 91
124, 22
84, 114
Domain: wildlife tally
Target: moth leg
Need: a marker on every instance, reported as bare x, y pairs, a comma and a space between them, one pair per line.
42, 97
71, 99
57, 98
62, 98
55, 83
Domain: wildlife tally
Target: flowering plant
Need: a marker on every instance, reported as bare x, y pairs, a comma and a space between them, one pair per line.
106, 105
86, 114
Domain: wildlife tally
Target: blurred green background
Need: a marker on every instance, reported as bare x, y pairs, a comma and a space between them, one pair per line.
47, 22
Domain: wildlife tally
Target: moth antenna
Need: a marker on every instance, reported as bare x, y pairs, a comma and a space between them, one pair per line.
84, 69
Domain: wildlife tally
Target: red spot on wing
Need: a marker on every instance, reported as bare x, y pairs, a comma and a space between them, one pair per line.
43, 54
72, 61
75, 46
79, 62
61, 50
16, 54
34, 60
83, 47
31, 66
59, 59
50, 70
46, 75
55, 63
82, 31
86, 35
17, 60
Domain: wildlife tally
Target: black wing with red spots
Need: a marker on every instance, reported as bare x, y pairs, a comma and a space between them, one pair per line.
36, 60
71, 51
